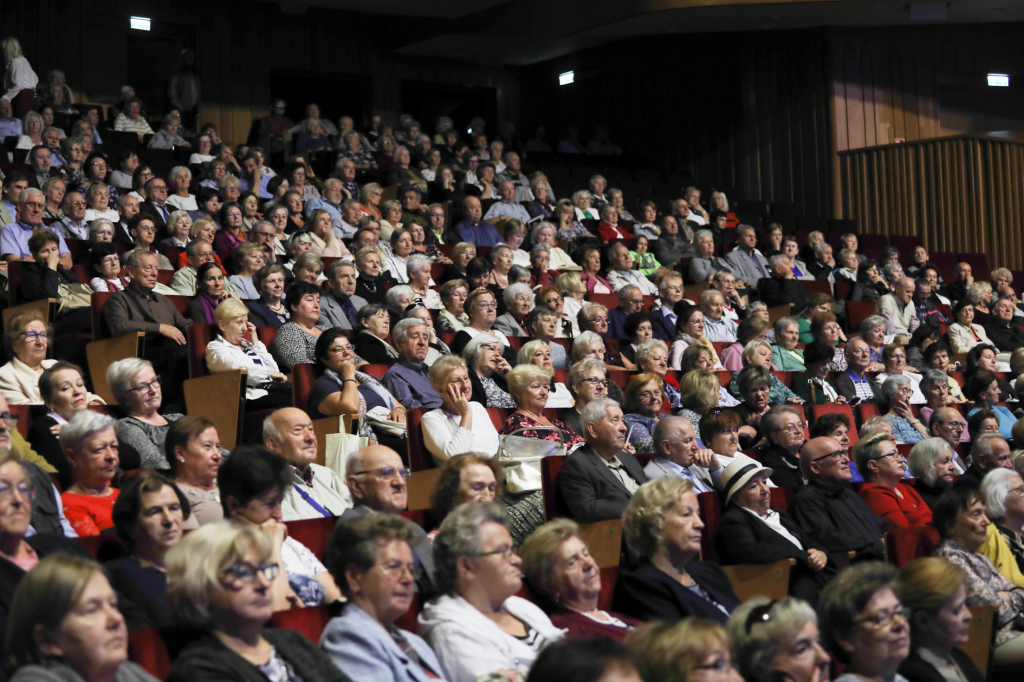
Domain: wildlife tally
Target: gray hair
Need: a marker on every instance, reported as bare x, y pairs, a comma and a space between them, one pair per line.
976, 292
771, 423
870, 323
668, 430
892, 385
539, 249
120, 374
782, 622
497, 249
669, 277
995, 488
190, 248
784, 324
137, 255
821, 246
28, 193
708, 294
982, 445
542, 225
298, 238
472, 348
594, 413
700, 234
95, 225
333, 268
581, 369
461, 534
513, 290
775, 261
581, 345
879, 422
756, 305
81, 426
418, 263
644, 350
923, 457
179, 170
743, 229
932, 377
396, 291
401, 329
625, 291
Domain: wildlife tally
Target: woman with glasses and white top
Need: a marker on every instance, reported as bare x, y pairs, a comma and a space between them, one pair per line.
461, 426
19, 379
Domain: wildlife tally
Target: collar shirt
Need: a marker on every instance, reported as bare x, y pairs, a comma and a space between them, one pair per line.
508, 209
722, 330
620, 473
774, 521
659, 467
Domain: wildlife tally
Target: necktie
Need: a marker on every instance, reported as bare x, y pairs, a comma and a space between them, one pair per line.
350, 313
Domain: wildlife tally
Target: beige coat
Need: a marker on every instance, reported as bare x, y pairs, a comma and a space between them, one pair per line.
19, 384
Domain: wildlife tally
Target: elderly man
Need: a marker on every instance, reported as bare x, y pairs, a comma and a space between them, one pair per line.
339, 307
51, 138
198, 252
750, 531
1005, 335
14, 238
823, 264
609, 227
663, 316
507, 206
40, 161
127, 208
376, 479
412, 209
854, 384
783, 427
927, 309
514, 173
263, 233
9, 125
408, 378
685, 220
351, 212
254, 178
678, 452
828, 510
836, 426
717, 327
599, 478
747, 262
472, 229
316, 491
898, 310
988, 451
15, 183
781, 288
948, 424
156, 203
73, 225
345, 170
330, 200
631, 300
138, 308
671, 246
957, 289
621, 272
735, 305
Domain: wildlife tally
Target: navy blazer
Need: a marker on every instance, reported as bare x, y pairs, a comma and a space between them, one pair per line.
616, 324
663, 328
648, 593
588, 491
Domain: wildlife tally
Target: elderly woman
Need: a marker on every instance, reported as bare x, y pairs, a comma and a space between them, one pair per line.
704, 266
326, 243
418, 269
683, 652
452, 316
785, 355
935, 387
44, 277
238, 347
781, 636
462, 254
754, 389
477, 626
269, 310
53, 190
689, 331
963, 334
752, 327
488, 370
463, 479
931, 463
935, 593
90, 444
544, 233
227, 579
461, 425
137, 389
1003, 492
194, 452
69, 626
759, 353
29, 336
181, 178
179, 230
642, 400
529, 386
539, 353
590, 262
151, 515
573, 292
245, 261
502, 259
558, 567
369, 282
980, 296
295, 341
897, 392
662, 523
863, 623
391, 218
98, 199
872, 332
983, 389
370, 343
959, 516
652, 357
812, 385
881, 465
372, 563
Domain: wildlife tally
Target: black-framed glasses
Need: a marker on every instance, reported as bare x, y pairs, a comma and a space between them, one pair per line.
506, 552
386, 472
886, 617
32, 336
145, 388
895, 454
246, 573
838, 455
594, 381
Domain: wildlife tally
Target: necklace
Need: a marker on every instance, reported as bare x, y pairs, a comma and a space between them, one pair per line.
372, 289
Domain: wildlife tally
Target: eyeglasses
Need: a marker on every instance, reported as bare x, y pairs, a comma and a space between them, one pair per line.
506, 552
721, 666
32, 336
338, 350
594, 381
649, 395
437, 215
486, 306
553, 301
794, 428
886, 617
838, 455
25, 489
244, 574
76, 203
145, 388
895, 454
387, 472
395, 569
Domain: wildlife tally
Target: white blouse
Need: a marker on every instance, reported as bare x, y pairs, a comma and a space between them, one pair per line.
444, 438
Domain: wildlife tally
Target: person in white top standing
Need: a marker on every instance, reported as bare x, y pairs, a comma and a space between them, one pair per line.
19, 79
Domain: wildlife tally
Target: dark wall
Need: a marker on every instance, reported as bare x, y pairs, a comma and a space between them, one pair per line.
746, 112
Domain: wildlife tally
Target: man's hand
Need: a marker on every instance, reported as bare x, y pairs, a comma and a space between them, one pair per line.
816, 559
172, 332
706, 458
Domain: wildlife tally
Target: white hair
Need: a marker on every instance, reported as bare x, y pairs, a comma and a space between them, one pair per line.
472, 348
995, 488
594, 413
516, 289
81, 426
120, 374
396, 291
418, 263
923, 457
402, 327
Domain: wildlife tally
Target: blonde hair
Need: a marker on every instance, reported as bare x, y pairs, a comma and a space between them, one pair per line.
525, 356
230, 309
521, 376
195, 564
569, 282
699, 390
539, 550
926, 584
644, 518
442, 368
199, 225
671, 652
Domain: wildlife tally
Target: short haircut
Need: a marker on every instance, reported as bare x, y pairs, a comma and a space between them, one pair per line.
128, 505
643, 521
581, 370
582, 343
954, 500
298, 291
460, 534
394, 293
522, 375
771, 423
83, 425
868, 449
46, 388
645, 349
249, 472
826, 424
995, 488
120, 373
356, 544
401, 329
41, 238
718, 420
846, 597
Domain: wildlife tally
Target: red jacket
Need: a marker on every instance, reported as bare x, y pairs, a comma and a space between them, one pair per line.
910, 510
608, 231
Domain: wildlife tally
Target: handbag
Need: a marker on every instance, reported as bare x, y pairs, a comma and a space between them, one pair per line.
73, 297
378, 419
340, 446
521, 456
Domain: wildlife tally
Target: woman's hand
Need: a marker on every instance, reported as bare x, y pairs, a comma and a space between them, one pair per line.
841, 400
398, 414
55, 429
875, 367
911, 370
53, 259
276, 532
816, 559
348, 370
459, 402
442, 259
503, 367
629, 448
795, 401
251, 328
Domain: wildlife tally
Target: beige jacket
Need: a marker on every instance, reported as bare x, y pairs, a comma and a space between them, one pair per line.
19, 384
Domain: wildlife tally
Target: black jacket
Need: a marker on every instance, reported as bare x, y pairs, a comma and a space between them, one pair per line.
647, 594
207, 660
588, 491
775, 292
930, 494
479, 394
372, 349
39, 282
840, 521
781, 462
462, 339
820, 270
743, 539
915, 669
844, 386
1006, 338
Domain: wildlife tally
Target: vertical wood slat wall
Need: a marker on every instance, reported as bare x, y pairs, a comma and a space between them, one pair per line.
960, 194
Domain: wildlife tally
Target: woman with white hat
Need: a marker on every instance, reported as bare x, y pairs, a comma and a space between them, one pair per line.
751, 528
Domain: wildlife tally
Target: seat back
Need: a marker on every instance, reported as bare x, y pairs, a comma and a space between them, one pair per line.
604, 540
313, 533
199, 336
421, 488
554, 503
100, 330
148, 649
981, 637
829, 408
376, 371
310, 621
710, 507
419, 458
903, 545
857, 312
760, 580
303, 378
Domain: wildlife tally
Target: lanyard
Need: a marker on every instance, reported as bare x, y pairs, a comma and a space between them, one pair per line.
312, 502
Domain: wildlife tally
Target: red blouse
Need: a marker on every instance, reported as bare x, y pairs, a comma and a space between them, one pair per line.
909, 510
608, 231
89, 514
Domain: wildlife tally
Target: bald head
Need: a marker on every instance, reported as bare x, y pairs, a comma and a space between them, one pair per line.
947, 423
904, 289
289, 433
825, 460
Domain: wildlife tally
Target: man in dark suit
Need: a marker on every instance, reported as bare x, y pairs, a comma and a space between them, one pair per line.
854, 384
598, 480
663, 316
829, 512
782, 288
631, 300
375, 477
127, 208
751, 532
823, 264
988, 451
157, 206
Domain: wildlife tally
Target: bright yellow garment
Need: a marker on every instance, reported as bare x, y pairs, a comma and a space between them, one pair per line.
998, 552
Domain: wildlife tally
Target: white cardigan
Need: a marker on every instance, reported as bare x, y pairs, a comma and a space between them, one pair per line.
222, 356
469, 645
444, 438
